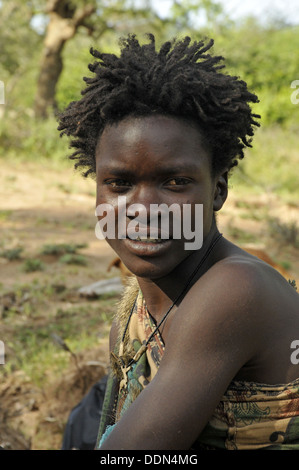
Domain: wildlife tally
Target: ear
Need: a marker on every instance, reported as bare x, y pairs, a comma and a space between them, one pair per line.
220, 193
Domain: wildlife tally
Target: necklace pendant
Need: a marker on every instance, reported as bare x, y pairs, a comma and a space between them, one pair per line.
119, 360
124, 381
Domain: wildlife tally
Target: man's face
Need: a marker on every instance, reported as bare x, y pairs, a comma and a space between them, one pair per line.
154, 160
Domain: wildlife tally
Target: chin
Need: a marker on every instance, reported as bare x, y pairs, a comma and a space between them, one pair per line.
148, 270
150, 262
154, 268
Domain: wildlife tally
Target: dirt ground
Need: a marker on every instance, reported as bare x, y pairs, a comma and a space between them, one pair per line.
43, 205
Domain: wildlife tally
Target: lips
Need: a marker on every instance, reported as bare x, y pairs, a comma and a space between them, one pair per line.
149, 240
147, 246
148, 235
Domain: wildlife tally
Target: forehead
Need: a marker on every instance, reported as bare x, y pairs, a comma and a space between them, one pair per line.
154, 137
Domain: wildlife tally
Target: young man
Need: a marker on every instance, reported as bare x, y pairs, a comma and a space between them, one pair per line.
201, 343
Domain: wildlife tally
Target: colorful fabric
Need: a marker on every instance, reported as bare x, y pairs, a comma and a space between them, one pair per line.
249, 415
255, 416
140, 374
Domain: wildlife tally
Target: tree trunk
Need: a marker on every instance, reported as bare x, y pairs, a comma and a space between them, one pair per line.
51, 68
65, 20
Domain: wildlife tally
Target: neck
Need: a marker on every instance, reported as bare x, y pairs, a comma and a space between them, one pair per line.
159, 294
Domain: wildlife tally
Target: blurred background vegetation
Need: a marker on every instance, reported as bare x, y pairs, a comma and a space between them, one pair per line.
45, 52
47, 244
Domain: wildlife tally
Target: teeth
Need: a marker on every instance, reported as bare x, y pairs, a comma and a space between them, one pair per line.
149, 240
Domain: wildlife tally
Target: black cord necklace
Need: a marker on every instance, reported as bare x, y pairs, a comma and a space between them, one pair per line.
126, 367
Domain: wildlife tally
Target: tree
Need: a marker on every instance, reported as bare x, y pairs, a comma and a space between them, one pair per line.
198, 16
65, 19
21, 41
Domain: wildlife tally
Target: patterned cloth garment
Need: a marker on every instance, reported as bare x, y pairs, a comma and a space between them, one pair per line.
248, 416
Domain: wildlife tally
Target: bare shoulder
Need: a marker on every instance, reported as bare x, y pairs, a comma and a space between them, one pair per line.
223, 302
253, 279
236, 307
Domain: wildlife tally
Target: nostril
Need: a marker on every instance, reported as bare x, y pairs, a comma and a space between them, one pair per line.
138, 212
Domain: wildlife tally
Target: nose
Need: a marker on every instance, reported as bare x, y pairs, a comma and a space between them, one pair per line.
149, 210
139, 203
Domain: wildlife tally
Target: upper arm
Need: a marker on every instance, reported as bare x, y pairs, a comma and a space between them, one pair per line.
209, 340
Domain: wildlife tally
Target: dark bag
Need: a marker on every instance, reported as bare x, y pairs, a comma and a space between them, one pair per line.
83, 423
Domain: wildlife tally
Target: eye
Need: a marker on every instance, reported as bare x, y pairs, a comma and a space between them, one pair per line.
178, 181
118, 183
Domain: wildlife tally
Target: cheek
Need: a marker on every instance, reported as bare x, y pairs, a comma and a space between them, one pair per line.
104, 198
101, 194
205, 197
207, 211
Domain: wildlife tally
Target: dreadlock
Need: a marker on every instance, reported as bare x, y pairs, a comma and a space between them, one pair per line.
180, 80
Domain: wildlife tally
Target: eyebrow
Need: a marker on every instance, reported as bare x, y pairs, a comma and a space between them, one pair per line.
117, 171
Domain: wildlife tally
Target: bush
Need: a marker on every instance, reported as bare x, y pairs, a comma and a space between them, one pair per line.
31, 265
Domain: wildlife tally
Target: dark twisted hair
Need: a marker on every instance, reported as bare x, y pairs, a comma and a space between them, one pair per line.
180, 80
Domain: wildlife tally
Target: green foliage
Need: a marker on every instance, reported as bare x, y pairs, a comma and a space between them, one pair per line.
270, 165
73, 259
71, 82
58, 249
34, 350
5, 214
25, 138
186, 14
266, 57
17, 38
32, 265
12, 254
